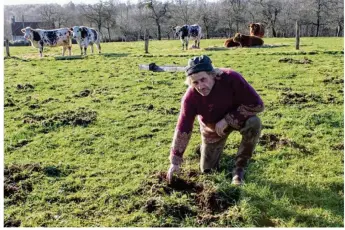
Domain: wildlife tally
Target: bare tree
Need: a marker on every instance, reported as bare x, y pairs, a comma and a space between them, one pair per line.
159, 12
95, 13
48, 13
109, 17
270, 10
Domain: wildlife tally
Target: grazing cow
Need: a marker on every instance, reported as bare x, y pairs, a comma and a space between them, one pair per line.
257, 29
40, 38
187, 32
248, 41
86, 36
230, 43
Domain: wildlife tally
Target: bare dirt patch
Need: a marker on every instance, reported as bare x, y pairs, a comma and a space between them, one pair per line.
293, 61
273, 141
290, 98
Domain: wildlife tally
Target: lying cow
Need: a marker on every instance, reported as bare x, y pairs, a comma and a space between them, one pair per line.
248, 41
187, 32
230, 43
86, 36
257, 29
40, 38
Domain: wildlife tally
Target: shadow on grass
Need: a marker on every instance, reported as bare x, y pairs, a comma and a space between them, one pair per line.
114, 54
17, 58
327, 196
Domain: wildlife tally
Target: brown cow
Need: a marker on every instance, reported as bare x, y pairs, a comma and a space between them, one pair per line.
257, 29
230, 43
248, 41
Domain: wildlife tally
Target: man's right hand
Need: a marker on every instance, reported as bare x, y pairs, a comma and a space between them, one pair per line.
172, 169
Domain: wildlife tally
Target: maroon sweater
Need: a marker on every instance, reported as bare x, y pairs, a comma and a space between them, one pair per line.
231, 98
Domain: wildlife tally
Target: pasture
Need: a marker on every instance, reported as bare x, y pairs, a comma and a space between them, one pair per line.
87, 140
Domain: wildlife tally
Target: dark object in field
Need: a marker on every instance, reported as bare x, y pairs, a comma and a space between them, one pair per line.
290, 60
230, 43
165, 68
248, 41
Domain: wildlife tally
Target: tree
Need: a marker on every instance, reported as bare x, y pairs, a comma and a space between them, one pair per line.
270, 10
109, 17
159, 12
95, 13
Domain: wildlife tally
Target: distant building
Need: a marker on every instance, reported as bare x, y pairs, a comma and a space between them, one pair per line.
16, 27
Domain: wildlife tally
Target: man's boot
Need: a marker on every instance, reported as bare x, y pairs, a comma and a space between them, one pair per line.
237, 176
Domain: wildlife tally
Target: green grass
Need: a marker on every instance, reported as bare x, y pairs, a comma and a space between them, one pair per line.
85, 139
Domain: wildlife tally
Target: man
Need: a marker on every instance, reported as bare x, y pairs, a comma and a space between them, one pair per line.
224, 102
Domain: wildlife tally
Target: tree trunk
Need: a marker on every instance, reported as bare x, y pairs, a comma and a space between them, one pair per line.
7, 48
339, 29
159, 30
274, 33
109, 34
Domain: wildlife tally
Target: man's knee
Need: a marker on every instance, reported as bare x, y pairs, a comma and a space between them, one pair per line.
253, 123
252, 128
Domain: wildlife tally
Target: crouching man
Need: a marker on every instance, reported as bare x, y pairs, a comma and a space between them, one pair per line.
224, 102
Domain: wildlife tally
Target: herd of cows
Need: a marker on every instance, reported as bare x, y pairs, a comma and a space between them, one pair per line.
86, 36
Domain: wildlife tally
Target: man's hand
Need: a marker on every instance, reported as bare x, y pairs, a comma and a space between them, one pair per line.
220, 127
173, 168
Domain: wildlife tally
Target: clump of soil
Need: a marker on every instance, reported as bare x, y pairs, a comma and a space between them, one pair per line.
289, 98
273, 141
83, 93
12, 223
79, 117
16, 183
25, 87
333, 80
205, 197
293, 61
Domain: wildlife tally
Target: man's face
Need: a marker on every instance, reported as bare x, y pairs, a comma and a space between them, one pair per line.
202, 82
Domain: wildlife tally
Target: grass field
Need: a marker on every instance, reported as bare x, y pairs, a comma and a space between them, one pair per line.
87, 140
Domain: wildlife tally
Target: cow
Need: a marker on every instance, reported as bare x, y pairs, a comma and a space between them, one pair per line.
230, 43
256, 29
248, 41
86, 36
187, 32
57, 37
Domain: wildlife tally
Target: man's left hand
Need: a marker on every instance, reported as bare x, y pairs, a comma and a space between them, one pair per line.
220, 127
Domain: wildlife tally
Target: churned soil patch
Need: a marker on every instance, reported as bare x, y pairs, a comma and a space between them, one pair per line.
273, 141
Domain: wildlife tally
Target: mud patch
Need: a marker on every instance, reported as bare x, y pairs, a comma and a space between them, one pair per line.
339, 146
290, 98
79, 117
273, 141
83, 93
205, 197
17, 184
168, 111
293, 61
12, 223
25, 87
333, 80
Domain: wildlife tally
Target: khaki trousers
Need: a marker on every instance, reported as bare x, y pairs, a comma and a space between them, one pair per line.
211, 152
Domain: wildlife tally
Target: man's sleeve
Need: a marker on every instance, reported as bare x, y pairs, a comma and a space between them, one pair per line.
249, 102
183, 131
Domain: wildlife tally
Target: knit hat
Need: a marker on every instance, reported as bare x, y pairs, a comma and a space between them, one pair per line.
198, 64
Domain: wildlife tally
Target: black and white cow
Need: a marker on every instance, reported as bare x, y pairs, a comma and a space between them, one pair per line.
86, 36
187, 32
40, 38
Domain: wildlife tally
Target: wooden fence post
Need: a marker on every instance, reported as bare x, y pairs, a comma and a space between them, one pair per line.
297, 35
146, 41
7, 48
